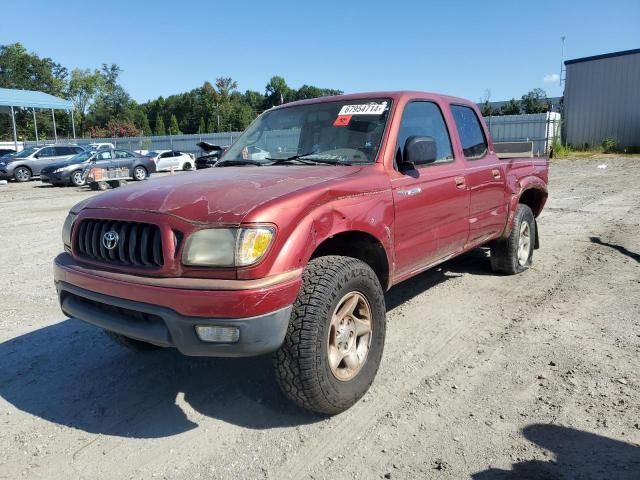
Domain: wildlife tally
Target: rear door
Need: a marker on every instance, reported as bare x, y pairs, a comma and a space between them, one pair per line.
431, 202
122, 159
485, 177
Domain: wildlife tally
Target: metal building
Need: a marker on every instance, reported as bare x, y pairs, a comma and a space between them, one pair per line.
602, 99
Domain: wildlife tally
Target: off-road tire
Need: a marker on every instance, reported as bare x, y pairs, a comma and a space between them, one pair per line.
22, 174
301, 364
504, 253
74, 178
130, 343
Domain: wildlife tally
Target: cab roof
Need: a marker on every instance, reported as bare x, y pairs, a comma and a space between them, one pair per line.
394, 95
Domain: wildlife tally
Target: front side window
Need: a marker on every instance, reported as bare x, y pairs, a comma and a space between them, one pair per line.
103, 156
424, 119
336, 132
46, 152
474, 143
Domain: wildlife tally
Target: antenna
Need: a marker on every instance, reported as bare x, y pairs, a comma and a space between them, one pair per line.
562, 67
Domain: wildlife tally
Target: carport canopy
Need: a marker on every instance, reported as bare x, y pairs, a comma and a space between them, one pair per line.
12, 98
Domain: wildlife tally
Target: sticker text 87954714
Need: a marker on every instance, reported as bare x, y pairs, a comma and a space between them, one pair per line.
364, 109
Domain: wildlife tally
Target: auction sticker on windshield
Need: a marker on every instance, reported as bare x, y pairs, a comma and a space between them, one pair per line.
364, 109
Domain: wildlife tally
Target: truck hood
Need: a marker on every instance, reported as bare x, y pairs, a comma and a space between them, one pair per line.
217, 195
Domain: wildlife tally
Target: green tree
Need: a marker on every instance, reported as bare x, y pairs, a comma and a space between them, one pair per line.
511, 108
212, 125
277, 91
160, 130
535, 101
143, 123
23, 70
84, 86
174, 129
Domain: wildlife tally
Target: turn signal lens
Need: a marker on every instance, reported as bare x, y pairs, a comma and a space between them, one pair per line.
252, 245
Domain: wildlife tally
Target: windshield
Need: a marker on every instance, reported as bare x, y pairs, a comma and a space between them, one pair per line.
26, 152
344, 131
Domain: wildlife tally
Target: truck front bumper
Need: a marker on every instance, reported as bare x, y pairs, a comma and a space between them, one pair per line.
166, 317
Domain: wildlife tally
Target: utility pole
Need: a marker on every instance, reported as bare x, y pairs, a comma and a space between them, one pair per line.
562, 69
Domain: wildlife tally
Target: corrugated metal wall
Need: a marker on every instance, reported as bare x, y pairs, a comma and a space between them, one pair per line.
602, 99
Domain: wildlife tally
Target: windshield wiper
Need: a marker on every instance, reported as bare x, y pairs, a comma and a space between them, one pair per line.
235, 163
303, 159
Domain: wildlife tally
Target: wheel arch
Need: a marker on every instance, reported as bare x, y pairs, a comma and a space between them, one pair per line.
361, 245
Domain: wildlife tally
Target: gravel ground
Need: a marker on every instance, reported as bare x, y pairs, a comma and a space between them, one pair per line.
535, 376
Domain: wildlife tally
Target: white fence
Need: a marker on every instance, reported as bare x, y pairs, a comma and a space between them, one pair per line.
540, 128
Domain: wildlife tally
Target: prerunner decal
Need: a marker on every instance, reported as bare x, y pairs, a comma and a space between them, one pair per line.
364, 109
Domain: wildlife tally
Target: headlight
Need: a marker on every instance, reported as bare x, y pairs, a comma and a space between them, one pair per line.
227, 247
66, 229
58, 170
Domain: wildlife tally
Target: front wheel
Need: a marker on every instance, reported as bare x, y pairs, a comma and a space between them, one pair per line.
22, 174
515, 253
334, 342
187, 166
139, 173
78, 178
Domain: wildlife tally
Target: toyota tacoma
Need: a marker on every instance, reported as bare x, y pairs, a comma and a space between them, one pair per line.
289, 253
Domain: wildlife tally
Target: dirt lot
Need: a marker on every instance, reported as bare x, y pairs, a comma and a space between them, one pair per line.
535, 376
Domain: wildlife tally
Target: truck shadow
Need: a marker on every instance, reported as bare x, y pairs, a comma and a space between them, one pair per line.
70, 373
578, 454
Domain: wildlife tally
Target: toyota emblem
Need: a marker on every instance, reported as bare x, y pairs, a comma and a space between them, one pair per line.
110, 240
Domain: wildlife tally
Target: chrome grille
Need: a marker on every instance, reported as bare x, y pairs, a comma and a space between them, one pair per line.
138, 244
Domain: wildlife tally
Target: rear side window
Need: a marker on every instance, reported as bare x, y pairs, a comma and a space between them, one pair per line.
77, 149
121, 154
61, 151
424, 119
474, 143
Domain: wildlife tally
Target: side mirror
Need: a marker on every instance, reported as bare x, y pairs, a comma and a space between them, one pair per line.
418, 151
37, 155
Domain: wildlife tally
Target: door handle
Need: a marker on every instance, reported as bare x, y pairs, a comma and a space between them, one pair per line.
460, 183
409, 192
496, 173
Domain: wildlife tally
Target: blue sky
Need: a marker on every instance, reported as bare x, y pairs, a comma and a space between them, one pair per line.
457, 47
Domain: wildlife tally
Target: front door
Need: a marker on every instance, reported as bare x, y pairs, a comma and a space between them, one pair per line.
431, 202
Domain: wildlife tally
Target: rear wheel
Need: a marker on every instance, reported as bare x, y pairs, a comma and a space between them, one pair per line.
22, 174
77, 178
187, 166
131, 343
334, 342
139, 173
515, 253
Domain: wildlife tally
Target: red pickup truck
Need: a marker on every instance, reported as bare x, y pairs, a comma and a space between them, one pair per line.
288, 245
